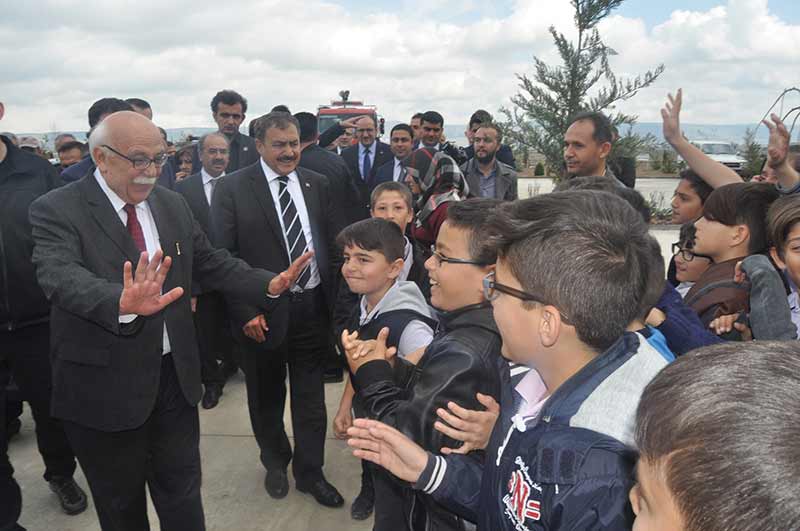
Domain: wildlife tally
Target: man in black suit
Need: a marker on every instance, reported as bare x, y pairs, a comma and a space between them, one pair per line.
25, 334
228, 109
432, 137
322, 161
267, 214
401, 143
364, 159
126, 372
210, 314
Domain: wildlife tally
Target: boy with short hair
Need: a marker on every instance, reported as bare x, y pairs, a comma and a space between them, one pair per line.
462, 360
571, 275
733, 227
373, 266
783, 226
726, 460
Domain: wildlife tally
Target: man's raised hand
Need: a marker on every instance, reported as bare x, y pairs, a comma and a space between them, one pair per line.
141, 291
284, 281
387, 447
778, 148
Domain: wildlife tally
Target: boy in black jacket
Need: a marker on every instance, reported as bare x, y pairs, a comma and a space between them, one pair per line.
463, 359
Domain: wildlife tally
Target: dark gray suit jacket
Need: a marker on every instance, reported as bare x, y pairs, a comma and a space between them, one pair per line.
106, 375
505, 180
244, 221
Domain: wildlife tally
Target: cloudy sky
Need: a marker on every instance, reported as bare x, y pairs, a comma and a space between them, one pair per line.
56, 57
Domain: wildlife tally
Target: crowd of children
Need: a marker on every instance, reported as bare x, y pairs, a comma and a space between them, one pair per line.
631, 394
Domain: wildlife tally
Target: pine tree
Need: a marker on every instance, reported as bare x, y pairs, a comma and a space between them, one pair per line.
543, 106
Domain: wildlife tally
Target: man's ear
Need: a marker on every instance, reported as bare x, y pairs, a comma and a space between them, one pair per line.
100, 158
605, 150
549, 326
2, 110
776, 257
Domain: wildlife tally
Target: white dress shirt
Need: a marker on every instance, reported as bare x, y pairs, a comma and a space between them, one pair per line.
361, 152
207, 187
149, 230
296, 192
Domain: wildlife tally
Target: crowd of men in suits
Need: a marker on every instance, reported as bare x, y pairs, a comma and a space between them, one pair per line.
129, 316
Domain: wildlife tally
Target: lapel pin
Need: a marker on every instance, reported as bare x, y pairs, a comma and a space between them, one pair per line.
244, 148
308, 185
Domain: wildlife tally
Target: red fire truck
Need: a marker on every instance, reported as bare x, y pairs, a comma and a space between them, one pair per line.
344, 108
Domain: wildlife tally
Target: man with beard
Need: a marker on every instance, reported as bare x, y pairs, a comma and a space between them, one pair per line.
487, 176
209, 311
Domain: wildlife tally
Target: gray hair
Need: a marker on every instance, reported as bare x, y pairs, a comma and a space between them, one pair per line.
98, 137
280, 120
202, 141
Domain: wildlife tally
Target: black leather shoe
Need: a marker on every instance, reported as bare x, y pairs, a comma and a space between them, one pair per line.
211, 396
72, 498
325, 493
364, 503
277, 484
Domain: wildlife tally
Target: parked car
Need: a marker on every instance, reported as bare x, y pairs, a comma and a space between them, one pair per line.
724, 152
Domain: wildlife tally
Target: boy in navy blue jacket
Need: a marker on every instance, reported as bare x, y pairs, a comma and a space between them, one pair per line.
571, 275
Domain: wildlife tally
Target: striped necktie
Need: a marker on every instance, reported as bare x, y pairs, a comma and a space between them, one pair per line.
293, 229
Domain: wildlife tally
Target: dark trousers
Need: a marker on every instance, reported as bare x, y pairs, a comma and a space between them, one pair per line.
163, 453
214, 338
304, 351
28, 353
10, 497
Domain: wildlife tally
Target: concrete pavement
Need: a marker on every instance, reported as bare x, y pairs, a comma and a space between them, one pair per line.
233, 493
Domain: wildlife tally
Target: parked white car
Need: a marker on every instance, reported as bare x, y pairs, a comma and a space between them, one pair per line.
724, 152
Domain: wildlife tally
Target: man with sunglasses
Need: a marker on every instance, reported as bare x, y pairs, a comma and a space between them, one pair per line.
126, 370
462, 361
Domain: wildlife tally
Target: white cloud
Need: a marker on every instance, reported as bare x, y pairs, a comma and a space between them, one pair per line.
61, 55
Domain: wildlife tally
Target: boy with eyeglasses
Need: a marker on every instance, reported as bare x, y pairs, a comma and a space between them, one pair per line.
571, 275
462, 360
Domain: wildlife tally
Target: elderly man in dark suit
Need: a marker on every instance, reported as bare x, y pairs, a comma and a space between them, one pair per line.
267, 214
364, 159
126, 372
210, 313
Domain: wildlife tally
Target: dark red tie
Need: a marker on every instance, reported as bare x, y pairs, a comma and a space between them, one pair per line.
134, 228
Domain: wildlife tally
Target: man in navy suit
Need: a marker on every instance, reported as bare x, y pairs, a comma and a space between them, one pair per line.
363, 160
401, 143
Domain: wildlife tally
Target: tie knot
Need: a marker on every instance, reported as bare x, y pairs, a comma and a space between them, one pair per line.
129, 209
283, 179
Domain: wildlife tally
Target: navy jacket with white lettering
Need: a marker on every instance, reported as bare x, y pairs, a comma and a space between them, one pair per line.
564, 469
